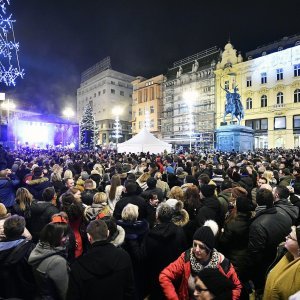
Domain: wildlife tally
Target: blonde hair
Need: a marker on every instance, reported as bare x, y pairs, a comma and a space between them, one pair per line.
23, 197
144, 177
99, 198
68, 174
268, 175
176, 193
157, 175
130, 212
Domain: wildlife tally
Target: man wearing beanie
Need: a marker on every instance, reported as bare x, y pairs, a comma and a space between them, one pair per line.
202, 255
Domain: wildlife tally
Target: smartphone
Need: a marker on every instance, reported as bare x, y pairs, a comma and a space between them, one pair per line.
292, 182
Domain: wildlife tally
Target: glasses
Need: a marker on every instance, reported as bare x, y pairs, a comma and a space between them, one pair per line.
291, 238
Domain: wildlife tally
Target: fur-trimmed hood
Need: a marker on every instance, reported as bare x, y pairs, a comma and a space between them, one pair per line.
37, 181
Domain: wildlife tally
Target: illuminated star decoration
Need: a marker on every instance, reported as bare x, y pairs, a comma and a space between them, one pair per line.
9, 61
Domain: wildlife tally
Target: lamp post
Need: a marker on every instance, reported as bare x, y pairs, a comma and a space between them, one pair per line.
190, 97
68, 112
117, 111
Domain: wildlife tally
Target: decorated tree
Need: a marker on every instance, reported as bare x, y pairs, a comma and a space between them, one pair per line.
87, 128
9, 61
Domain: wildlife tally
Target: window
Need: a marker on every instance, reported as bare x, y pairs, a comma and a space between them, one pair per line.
140, 97
279, 98
152, 124
112, 82
264, 124
121, 93
99, 93
226, 83
297, 96
145, 95
249, 81
140, 124
104, 91
152, 93
151, 109
279, 123
112, 91
249, 103
263, 78
263, 101
140, 112
95, 95
296, 122
297, 70
279, 74
257, 124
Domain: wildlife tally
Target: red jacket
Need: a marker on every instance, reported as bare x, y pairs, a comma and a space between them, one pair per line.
181, 268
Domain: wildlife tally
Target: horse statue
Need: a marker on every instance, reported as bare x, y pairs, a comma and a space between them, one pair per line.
233, 105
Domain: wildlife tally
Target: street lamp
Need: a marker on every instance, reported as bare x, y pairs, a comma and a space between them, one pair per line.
68, 112
190, 98
117, 111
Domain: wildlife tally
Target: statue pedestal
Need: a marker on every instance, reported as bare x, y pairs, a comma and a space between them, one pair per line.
235, 137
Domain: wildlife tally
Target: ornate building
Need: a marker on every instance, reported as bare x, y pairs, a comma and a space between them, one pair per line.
106, 89
147, 104
269, 85
189, 100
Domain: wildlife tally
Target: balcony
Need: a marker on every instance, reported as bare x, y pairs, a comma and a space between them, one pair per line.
278, 106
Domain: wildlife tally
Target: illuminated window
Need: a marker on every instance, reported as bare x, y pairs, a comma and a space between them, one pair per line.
263, 78
279, 98
297, 96
279, 74
249, 103
264, 101
279, 123
297, 70
249, 81
151, 109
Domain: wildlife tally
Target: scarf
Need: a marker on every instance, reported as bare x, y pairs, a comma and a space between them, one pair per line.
212, 264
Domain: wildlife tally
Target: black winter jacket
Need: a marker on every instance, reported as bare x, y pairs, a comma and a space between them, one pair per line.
105, 272
210, 210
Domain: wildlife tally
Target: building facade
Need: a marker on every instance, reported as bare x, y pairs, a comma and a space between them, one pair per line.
147, 104
269, 85
189, 100
106, 90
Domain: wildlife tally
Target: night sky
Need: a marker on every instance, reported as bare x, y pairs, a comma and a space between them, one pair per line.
59, 39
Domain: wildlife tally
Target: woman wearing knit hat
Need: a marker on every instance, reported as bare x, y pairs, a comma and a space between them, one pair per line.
202, 255
212, 284
284, 279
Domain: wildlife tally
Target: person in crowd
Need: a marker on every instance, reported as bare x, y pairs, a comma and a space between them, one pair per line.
162, 184
269, 175
4, 215
152, 190
142, 181
23, 203
74, 210
202, 255
131, 197
89, 192
99, 208
69, 183
210, 208
203, 169
212, 284
173, 181
114, 191
283, 205
96, 274
41, 212
233, 242
180, 215
189, 181
284, 279
116, 232
162, 245
135, 231
8, 184
264, 236
38, 184
56, 180
48, 260
176, 193
16, 276
285, 177
96, 177
181, 175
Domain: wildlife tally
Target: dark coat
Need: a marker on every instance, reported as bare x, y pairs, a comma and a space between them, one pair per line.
133, 199
8, 191
210, 210
155, 191
247, 183
163, 244
87, 196
267, 230
37, 186
41, 213
104, 272
288, 208
233, 242
16, 275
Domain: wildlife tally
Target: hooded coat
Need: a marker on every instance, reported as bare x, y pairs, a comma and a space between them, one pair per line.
288, 208
104, 272
37, 186
50, 271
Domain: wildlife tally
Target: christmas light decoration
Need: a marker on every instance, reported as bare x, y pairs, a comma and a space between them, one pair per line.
87, 128
9, 60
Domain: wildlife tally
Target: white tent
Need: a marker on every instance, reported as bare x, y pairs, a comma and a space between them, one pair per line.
144, 141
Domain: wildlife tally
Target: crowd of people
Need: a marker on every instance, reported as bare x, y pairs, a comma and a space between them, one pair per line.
101, 224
